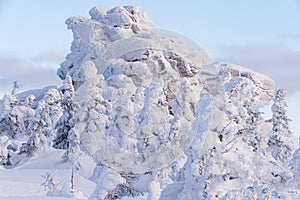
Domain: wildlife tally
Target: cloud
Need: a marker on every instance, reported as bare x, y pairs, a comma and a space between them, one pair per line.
29, 74
48, 57
279, 62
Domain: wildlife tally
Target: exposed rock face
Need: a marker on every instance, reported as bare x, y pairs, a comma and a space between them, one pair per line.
163, 119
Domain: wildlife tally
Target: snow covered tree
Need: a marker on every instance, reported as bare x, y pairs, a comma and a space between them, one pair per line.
153, 96
93, 111
280, 119
126, 189
252, 133
72, 154
65, 123
36, 131
40, 128
57, 188
295, 167
280, 143
16, 118
4, 141
17, 86
243, 110
235, 167
67, 136
9, 120
49, 184
49, 111
29, 101
8, 102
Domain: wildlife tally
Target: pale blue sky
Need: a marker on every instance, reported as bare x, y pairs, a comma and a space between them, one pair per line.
263, 35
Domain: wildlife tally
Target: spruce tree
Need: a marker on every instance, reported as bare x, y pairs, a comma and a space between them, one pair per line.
65, 123
280, 143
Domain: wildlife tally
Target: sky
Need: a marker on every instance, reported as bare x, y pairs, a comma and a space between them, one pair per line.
261, 35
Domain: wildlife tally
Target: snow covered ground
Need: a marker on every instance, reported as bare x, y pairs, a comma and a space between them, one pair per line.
25, 182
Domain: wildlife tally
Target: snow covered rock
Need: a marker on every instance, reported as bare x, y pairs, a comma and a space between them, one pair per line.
122, 32
152, 106
160, 119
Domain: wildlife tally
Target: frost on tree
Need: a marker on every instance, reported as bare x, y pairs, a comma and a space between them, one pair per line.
93, 110
41, 127
11, 123
161, 120
49, 111
4, 142
15, 119
152, 92
28, 123
295, 167
146, 81
17, 86
65, 123
281, 144
224, 169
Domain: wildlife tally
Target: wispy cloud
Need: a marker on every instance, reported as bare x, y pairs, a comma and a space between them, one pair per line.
29, 74
279, 62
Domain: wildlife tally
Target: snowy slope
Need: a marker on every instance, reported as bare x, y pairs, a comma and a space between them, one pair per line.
24, 182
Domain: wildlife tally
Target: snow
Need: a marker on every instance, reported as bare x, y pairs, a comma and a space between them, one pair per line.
24, 182
38, 93
145, 114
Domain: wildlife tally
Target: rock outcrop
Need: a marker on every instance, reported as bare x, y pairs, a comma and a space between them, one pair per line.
164, 119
